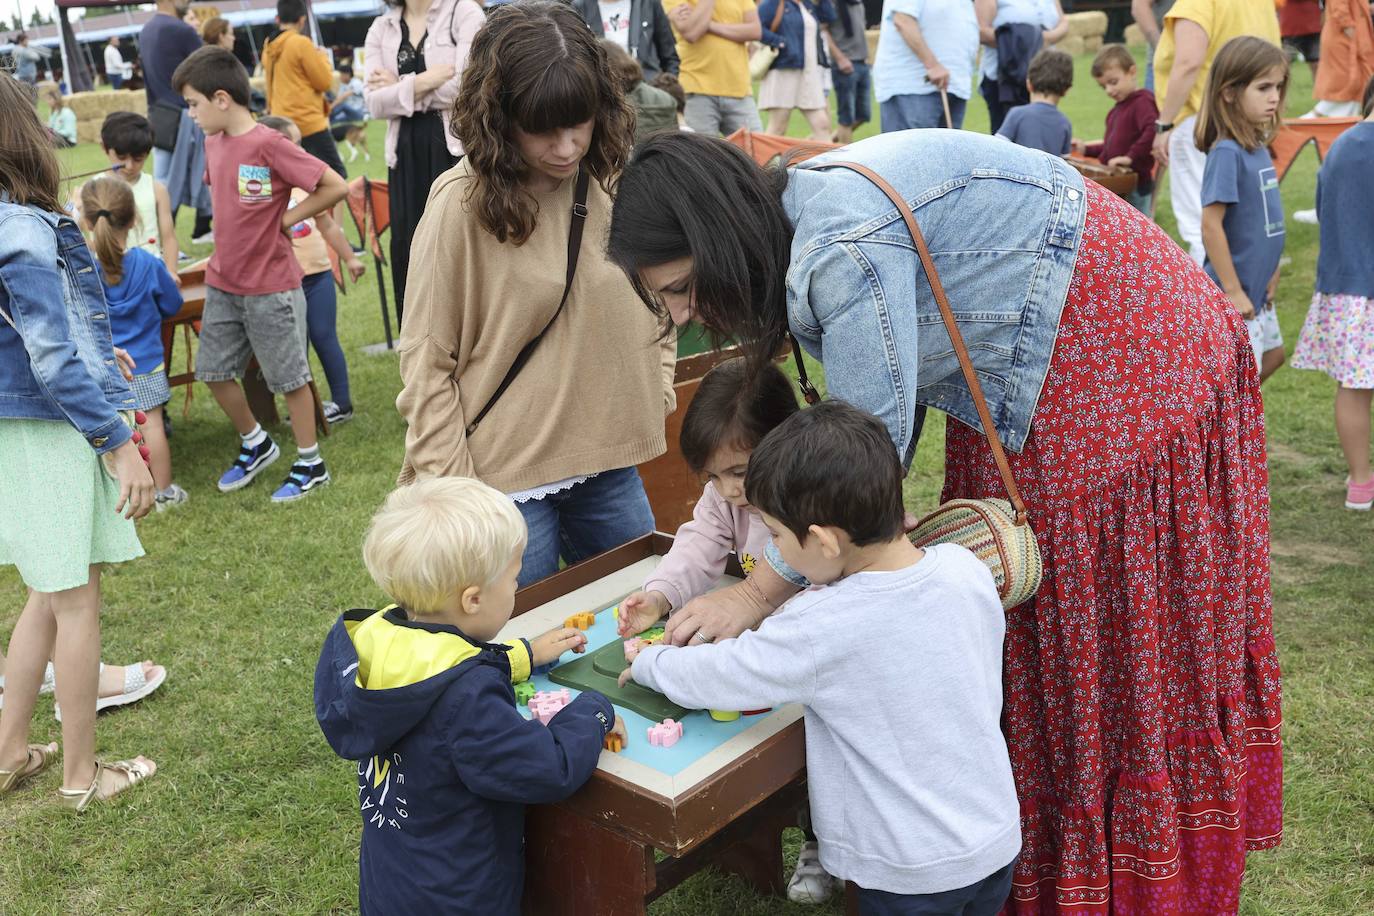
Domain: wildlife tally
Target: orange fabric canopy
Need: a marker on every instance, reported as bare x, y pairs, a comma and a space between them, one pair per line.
764, 148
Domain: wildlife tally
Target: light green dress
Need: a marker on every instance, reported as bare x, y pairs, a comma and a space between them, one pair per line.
57, 506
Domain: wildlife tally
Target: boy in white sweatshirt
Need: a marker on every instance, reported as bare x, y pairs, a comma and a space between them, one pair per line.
896, 653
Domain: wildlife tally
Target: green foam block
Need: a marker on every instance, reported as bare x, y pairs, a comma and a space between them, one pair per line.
599, 670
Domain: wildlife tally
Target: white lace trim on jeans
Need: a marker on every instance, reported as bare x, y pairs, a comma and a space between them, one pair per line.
539, 492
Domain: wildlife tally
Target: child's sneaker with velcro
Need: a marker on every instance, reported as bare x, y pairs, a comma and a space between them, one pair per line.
249, 463
302, 479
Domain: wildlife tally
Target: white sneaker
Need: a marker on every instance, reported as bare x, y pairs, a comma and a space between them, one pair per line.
810, 883
206, 239
1306, 216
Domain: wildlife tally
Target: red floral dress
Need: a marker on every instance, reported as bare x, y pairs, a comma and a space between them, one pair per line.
1142, 682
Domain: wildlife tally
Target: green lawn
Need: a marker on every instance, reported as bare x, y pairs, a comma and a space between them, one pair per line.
251, 811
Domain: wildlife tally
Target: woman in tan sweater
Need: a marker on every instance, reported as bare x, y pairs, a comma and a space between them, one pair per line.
488, 269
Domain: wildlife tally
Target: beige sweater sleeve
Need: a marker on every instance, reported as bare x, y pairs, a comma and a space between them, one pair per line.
430, 400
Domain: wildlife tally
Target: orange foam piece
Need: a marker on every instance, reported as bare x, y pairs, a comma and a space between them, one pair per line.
614, 743
581, 621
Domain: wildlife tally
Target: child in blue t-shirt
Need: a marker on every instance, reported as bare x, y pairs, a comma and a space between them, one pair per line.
1041, 125
1242, 214
140, 293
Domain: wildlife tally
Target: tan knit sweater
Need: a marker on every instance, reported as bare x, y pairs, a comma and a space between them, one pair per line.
594, 395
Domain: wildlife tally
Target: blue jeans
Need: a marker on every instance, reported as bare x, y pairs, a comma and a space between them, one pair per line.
1141, 201
588, 518
904, 112
853, 95
321, 313
982, 898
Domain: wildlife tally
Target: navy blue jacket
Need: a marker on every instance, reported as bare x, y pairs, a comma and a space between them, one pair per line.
790, 36
446, 764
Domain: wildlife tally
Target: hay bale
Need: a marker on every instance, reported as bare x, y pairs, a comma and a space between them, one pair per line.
88, 131
872, 36
1085, 24
1092, 44
1135, 36
1072, 45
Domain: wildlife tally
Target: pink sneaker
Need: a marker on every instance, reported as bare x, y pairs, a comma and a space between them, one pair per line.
1359, 496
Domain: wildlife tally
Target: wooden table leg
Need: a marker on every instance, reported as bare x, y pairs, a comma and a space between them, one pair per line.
757, 855
576, 867
260, 398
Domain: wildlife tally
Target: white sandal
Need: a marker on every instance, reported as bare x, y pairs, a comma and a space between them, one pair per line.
46, 687
136, 687
77, 799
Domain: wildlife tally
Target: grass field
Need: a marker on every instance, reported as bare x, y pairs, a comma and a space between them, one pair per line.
251, 811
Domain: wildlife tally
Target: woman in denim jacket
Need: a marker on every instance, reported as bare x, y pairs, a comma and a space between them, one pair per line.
1141, 682
65, 509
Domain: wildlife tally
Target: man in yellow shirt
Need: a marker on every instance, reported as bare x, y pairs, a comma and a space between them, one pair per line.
1194, 31
711, 41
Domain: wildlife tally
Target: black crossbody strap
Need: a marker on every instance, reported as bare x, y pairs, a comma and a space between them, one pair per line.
808, 390
579, 220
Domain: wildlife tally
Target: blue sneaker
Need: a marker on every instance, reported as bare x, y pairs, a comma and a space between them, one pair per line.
248, 464
302, 479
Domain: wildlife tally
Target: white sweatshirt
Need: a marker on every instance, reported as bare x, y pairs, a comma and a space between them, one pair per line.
901, 676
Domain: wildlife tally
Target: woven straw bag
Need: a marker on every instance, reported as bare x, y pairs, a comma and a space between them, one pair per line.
998, 531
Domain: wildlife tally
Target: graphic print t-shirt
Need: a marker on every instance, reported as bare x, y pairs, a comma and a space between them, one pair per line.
250, 179
615, 18
1247, 182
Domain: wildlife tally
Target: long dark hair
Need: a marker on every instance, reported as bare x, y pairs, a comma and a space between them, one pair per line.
536, 66
29, 172
734, 407
685, 195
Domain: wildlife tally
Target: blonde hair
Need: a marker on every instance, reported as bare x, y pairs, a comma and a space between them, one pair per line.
1239, 63
438, 536
107, 205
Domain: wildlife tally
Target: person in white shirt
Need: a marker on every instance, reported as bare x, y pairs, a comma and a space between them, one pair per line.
117, 69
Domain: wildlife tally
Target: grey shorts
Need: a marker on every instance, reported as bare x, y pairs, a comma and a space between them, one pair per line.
270, 327
719, 115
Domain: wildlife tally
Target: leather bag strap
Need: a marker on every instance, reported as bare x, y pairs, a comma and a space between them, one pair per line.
777, 17
808, 390
579, 221
955, 337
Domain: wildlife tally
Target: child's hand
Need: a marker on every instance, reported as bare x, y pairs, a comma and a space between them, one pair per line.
619, 729
126, 364
641, 611
1120, 161
356, 268
549, 646
1077, 145
625, 677
1242, 303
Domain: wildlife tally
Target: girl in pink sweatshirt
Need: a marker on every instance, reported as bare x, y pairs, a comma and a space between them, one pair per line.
730, 414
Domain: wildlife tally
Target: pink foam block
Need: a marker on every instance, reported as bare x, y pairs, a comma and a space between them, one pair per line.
633, 647
665, 733
545, 704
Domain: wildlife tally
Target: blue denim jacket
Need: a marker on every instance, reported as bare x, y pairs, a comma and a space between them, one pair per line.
1345, 206
60, 363
1003, 224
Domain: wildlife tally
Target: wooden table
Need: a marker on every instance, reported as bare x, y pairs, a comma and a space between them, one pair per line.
594, 854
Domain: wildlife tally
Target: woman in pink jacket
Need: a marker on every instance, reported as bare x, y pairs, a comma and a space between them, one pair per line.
416, 53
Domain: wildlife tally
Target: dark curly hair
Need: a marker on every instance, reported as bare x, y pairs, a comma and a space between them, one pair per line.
536, 66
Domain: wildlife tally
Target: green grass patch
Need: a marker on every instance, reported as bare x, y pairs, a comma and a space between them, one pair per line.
251, 811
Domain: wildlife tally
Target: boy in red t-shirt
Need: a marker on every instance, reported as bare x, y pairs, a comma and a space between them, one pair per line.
253, 303
1130, 124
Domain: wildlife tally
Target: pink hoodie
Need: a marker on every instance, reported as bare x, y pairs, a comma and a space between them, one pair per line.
451, 25
697, 558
